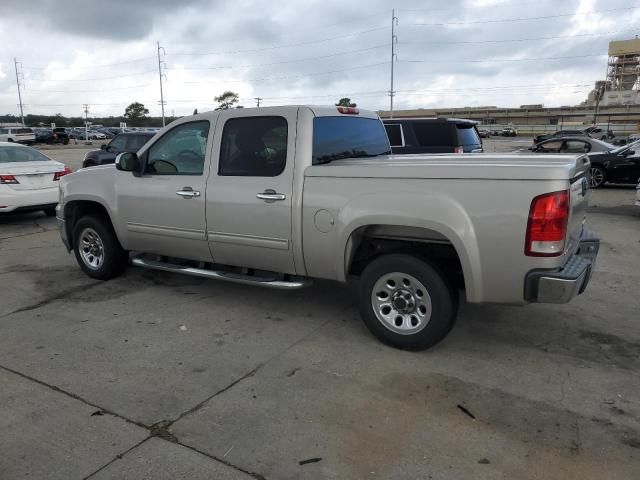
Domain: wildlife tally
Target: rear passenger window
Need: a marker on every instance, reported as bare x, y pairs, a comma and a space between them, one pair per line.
575, 146
394, 132
551, 146
434, 134
468, 135
253, 147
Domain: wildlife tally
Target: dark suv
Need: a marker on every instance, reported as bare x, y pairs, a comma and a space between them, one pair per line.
123, 142
433, 135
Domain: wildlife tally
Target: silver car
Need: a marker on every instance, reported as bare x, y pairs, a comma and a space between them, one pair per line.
577, 145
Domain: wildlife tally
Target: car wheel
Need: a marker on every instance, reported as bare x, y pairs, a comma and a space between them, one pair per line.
97, 249
89, 164
405, 302
598, 177
65, 141
10, 140
50, 212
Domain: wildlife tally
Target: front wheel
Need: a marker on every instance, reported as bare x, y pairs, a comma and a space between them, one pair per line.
405, 302
97, 249
598, 177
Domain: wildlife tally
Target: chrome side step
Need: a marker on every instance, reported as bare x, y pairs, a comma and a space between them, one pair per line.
294, 283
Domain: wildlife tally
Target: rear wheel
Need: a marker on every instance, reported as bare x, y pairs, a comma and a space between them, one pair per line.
97, 248
598, 177
405, 302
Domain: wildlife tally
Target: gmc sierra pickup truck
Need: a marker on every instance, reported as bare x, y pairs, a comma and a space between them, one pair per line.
277, 196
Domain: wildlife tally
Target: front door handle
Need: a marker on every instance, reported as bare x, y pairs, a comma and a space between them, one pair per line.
270, 196
188, 192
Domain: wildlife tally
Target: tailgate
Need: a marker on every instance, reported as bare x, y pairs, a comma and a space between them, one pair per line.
579, 196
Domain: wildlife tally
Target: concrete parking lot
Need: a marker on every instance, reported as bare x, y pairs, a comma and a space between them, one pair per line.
155, 375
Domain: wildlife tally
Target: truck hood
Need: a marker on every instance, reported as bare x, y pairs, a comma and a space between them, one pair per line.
479, 166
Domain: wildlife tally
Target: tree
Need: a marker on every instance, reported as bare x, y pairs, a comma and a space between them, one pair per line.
227, 100
135, 113
345, 102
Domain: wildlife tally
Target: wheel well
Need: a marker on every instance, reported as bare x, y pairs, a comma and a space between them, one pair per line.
74, 211
373, 241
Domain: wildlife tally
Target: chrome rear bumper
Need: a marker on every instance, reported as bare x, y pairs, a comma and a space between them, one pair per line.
560, 286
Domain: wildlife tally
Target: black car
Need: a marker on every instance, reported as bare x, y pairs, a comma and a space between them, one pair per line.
44, 135
560, 133
61, 135
432, 135
123, 142
620, 165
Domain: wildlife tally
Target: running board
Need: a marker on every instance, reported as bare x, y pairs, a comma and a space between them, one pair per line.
295, 283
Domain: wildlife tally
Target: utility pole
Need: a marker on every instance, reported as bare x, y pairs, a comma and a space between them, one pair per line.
394, 40
86, 122
162, 102
257, 99
15, 64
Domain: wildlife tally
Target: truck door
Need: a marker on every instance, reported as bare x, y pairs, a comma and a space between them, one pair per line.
249, 192
164, 209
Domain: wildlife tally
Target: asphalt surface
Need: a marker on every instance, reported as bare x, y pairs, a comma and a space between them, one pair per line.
155, 375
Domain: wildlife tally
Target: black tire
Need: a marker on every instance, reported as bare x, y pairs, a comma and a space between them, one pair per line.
441, 294
114, 258
65, 141
598, 176
89, 164
49, 212
10, 140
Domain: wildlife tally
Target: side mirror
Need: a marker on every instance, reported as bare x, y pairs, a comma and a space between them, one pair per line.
104, 146
127, 162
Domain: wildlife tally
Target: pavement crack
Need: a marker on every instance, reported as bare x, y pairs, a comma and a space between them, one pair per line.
116, 458
74, 396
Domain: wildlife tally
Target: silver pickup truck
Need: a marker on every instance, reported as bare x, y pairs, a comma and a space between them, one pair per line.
279, 196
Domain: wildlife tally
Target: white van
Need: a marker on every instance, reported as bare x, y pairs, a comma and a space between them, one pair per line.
18, 135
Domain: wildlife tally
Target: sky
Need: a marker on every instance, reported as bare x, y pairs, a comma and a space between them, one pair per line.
451, 53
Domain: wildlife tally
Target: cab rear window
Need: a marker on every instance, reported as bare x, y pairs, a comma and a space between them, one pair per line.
338, 138
468, 135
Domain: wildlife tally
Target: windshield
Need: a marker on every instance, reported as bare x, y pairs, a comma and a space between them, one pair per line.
625, 147
21, 154
337, 138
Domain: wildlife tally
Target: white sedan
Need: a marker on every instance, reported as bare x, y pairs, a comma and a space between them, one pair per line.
28, 179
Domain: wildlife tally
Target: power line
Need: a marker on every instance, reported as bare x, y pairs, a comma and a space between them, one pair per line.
288, 77
523, 19
93, 79
508, 40
92, 91
91, 67
298, 60
503, 59
264, 49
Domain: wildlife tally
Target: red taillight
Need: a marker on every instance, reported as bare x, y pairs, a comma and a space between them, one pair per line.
8, 179
547, 225
66, 171
458, 150
349, 110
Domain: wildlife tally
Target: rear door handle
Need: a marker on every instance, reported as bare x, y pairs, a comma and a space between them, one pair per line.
270, 196
188, 192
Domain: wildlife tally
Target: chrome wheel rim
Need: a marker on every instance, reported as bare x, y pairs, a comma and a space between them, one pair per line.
91, 248
401, 303
597, 177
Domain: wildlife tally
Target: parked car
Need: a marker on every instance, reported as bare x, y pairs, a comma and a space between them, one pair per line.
600, 133
638, 194
509, 132
96, 135
107, 133
578, 145
560, 133
484, 133
125, 142
432, 135
620, 165
28, 179
277, 196
44, 135
61, 135
23, 135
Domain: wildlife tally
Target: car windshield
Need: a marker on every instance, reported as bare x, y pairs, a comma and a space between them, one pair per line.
21, 154
604, 145
625, 147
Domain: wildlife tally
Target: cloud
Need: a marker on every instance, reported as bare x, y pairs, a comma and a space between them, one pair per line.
454, 54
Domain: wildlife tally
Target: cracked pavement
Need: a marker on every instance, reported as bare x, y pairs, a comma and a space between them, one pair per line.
155, 375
